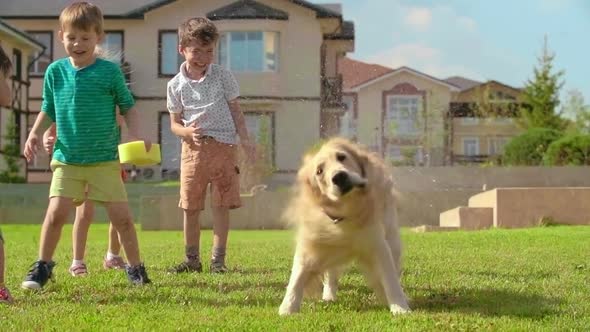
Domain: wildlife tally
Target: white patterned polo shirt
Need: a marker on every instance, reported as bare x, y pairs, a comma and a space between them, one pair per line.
205, 101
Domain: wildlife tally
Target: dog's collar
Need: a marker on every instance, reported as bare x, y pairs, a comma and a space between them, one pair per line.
335, 220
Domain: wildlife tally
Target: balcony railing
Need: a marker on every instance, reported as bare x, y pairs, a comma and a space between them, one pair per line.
475, 159
477, 110
331, 92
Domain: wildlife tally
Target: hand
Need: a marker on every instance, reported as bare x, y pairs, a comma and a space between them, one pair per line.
192, 133
250, 150
48, 141
31, 146
146, 142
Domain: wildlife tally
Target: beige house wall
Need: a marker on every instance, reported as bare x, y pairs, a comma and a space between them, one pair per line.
371, 108
485, 129
294, 89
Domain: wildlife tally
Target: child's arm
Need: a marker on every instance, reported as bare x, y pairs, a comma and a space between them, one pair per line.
189, 134
240, 123
49, 138
132, 121
32, 144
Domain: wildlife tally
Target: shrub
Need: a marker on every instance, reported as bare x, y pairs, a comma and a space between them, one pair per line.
528, 148
573, 149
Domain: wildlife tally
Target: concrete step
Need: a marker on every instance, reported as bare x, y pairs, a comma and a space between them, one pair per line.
431, 228
468, 218
486, 199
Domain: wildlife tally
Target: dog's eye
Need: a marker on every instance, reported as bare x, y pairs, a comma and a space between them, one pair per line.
341, 157
319, 170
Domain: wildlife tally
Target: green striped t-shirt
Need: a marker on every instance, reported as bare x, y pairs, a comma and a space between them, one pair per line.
82, 103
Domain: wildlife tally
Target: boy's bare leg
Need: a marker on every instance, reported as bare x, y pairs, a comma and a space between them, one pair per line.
120, 217
220, 234
114, 241
56, 216
84, 215
192, 234
220, 226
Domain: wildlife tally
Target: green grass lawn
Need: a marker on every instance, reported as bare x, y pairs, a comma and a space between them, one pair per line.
533, 279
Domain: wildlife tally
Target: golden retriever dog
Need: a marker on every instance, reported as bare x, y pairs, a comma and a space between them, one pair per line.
344, 210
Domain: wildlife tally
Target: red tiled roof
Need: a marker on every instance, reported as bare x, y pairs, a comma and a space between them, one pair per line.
355, 73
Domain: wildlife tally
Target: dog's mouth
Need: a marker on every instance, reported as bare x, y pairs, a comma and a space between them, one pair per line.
346, 182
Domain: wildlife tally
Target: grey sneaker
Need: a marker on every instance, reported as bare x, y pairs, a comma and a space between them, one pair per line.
218, 267
187, 266
137, 275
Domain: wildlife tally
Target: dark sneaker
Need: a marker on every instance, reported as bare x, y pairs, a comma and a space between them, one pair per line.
137, 275
184, 267
218, 267
38, 275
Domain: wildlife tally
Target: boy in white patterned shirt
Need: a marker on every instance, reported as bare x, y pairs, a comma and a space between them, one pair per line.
202, 101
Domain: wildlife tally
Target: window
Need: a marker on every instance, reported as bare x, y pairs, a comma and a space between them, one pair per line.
17, 63
402, 113
41, 60
169, 58
112, 46
496, 145
471, 146
260, 128
347, 120
249, 51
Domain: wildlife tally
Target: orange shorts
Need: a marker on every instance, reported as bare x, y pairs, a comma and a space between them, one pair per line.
209, 162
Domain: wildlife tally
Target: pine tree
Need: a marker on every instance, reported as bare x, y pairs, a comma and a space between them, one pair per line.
541, 95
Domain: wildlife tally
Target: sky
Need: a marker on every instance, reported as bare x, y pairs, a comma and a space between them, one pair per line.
478, 39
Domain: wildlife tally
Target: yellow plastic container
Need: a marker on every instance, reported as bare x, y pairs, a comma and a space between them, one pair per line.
134, 153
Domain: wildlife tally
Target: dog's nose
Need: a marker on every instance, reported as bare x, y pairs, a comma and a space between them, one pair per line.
340, 179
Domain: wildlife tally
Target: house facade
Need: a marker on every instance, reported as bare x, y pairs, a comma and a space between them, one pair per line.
400, 113
282, 52
412, 118
482, 119
21, 48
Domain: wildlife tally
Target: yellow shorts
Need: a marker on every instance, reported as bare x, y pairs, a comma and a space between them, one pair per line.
99, 182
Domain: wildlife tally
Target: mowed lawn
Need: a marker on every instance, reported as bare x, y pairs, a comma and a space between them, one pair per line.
533, 279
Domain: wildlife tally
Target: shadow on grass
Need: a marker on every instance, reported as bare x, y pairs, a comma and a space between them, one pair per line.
220, 291
486, 302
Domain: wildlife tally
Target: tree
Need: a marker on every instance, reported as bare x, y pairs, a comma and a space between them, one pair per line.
541, 95
11, 155
528, 148
575, 110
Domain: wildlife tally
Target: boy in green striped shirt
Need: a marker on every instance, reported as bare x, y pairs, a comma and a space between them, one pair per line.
81, 94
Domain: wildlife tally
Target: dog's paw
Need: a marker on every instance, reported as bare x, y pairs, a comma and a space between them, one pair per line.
329, 298
328, 295
399, 310
287, 309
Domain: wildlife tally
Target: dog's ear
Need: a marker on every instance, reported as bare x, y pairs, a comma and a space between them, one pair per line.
305, 175
362, 159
